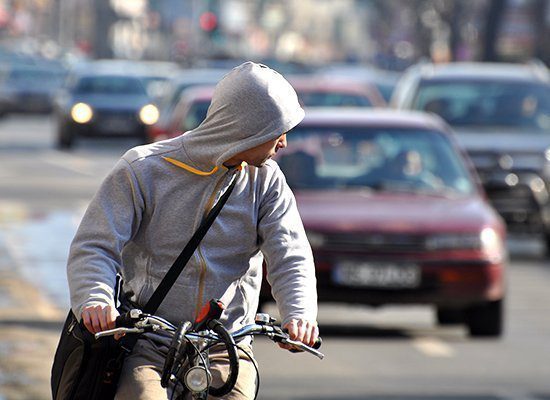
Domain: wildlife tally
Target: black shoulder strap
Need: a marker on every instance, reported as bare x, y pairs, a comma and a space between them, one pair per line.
175, 270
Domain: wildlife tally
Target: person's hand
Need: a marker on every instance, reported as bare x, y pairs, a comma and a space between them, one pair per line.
301, 330
99, 318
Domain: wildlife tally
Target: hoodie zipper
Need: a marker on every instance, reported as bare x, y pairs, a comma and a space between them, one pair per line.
202, 261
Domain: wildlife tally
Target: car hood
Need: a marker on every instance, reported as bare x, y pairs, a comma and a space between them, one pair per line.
352, 211
503, 140
113, 102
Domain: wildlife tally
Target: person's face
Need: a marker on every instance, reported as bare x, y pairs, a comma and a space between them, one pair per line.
257, 156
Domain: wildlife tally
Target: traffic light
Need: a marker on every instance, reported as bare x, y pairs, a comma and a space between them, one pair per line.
208, 21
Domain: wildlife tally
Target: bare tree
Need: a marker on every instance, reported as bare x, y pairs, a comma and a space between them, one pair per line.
493, 22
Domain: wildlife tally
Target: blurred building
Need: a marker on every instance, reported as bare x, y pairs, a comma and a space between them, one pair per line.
390, 33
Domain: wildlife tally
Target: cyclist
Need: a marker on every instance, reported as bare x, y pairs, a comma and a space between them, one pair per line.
150, 204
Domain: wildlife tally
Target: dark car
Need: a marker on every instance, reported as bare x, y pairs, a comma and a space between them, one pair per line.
395, 214
103, 104
29, 88
501, 115
155, 75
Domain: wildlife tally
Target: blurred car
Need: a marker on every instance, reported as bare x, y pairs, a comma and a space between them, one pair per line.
29, 88
187, 78
395, 214
103, 104
501, 115
193, 104
187, 114
319, 92
384, 80
155, 75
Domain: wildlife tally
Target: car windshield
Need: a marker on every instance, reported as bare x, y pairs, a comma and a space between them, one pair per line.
488, 104
110, 85
195, 115
400, 160
30, 77
332, 99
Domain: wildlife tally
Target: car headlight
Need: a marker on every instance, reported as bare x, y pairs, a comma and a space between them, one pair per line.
81, 113
488, 241
492, 244
149, 114
315, 239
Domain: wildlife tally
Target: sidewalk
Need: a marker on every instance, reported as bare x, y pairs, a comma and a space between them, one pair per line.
29, 331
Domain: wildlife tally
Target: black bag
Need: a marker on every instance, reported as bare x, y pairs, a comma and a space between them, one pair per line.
86, 368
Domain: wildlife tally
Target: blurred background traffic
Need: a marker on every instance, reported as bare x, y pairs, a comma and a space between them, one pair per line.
421, 171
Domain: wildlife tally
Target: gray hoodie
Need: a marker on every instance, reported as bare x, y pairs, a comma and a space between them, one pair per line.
153, 200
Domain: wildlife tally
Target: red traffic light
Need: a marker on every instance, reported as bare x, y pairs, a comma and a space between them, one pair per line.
208, 21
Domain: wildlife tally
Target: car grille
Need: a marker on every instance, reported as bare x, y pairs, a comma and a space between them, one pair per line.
129, 116
375, 243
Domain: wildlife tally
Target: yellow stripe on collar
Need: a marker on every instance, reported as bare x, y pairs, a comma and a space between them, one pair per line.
190, 168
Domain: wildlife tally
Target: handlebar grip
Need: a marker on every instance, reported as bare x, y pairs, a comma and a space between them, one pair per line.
318, 343
124, 320
128, 319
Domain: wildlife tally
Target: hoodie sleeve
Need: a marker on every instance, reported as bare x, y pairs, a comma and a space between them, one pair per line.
109, 222
290, 267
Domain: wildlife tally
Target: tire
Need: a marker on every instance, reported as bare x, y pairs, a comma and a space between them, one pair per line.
65, 139
449, 316
547, 243
486, 320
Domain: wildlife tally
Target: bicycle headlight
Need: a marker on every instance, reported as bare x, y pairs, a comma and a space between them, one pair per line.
82, 113
149, 114
197, 379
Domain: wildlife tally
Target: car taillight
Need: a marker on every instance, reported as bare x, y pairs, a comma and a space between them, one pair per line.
156, 133
462, 275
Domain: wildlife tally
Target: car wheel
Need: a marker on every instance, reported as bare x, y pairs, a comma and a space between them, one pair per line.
449, 316
486, 319
65, 138
547, 242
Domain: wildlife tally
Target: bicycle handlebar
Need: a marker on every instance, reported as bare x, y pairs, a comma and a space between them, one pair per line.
212, 331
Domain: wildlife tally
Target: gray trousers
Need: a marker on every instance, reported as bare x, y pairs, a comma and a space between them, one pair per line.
141, 373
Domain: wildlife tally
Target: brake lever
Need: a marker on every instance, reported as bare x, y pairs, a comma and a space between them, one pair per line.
137, 329
303, 347
112, 332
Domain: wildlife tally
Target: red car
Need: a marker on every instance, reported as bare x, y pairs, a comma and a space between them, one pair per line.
395, 213
193, 104
187, 114
316, 91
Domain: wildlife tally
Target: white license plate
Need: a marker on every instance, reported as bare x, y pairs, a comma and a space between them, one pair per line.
377, 274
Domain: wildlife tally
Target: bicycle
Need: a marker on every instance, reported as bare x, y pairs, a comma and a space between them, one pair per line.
187, 357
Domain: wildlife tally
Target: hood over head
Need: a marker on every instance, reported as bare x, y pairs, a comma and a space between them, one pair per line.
251, 105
